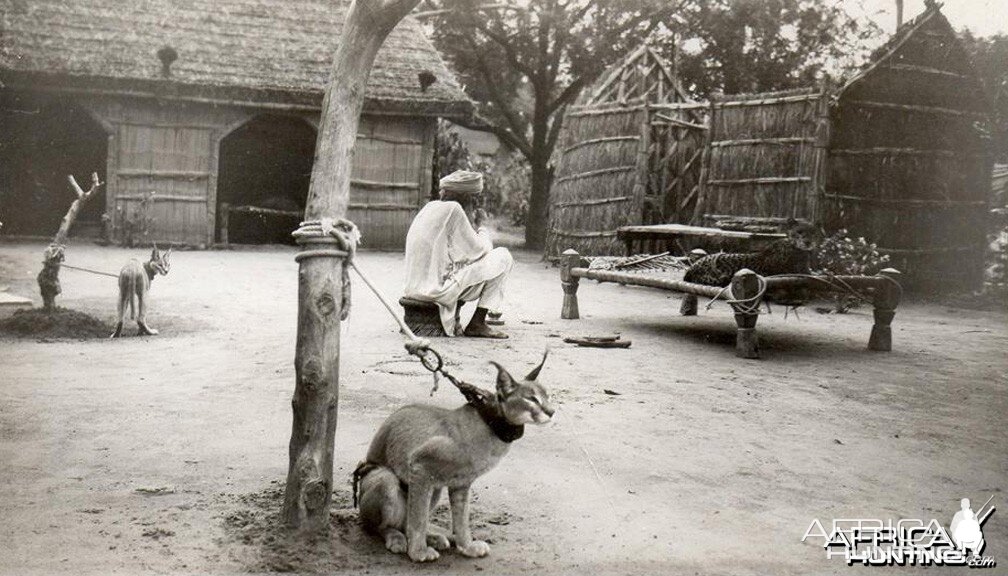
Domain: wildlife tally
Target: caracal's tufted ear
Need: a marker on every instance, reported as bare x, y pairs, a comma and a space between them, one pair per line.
505, 383
154, 252
535, 371
167, 254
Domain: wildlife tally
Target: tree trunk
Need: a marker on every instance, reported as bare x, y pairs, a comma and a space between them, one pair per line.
538, 210
48, 278
320, 288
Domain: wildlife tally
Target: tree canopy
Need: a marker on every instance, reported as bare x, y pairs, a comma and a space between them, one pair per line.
524, 62
744, 46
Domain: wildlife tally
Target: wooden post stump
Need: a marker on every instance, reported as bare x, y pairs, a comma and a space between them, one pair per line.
569, 260
689, 301
744, 286
887, 297
320, 279
48, 278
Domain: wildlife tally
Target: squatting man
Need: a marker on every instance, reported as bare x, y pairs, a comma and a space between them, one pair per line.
450, 258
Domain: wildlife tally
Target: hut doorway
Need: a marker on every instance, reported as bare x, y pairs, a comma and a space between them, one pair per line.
41, 142
264, 172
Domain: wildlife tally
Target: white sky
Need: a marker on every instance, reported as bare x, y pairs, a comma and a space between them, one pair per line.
982, 17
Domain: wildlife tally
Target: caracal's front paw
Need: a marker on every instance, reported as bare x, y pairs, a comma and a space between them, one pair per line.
475, 549
424, 554
438, 541
148, 331
395, 541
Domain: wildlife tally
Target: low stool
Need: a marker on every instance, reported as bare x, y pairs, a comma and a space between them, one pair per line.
422, 317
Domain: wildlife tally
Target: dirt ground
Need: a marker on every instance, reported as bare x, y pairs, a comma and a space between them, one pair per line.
167, 454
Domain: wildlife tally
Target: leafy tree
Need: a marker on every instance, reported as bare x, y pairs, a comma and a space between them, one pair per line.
990, 57
526, 61
741, 46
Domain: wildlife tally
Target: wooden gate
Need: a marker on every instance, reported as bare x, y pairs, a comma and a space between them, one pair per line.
174, 163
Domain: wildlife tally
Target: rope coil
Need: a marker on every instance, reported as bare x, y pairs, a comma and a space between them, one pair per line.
343, 237
745, 306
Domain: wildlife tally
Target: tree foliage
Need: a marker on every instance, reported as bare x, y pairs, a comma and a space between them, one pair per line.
990, 58
525, 61
743, 46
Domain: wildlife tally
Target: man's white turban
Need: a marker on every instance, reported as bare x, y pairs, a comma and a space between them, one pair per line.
463, 181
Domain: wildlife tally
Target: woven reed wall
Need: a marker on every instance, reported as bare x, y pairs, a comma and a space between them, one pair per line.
764, 156
599, 182
908, 166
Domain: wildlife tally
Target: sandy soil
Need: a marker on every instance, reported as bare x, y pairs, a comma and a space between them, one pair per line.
166, 454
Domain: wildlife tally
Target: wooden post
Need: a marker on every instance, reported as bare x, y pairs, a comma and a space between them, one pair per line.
689, 301
48, 278
887, 297
568, 260
320, 279
744, 285
225, 221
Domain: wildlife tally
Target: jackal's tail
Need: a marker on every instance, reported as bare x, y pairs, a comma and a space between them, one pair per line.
132, 297
362, 470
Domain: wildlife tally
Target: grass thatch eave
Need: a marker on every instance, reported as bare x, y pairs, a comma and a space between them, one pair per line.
260, 51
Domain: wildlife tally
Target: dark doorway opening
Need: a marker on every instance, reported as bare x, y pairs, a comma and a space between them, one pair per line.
41, 142
262, 185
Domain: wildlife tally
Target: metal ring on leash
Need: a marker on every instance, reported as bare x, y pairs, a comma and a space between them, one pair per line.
424, 356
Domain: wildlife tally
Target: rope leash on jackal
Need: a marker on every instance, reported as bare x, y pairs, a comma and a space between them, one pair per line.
344, 237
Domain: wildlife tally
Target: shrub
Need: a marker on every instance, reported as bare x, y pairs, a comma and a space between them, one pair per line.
839, 254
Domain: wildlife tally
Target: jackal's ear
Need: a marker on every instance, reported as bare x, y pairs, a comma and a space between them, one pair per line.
535, 371
505, 383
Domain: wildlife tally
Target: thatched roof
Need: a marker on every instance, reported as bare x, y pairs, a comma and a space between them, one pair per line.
930, 57
255, 51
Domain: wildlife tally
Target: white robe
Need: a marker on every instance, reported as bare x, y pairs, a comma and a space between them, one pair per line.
445, 257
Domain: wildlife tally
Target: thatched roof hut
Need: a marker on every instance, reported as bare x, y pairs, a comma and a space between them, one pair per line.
899, 155
628, 154
168, 82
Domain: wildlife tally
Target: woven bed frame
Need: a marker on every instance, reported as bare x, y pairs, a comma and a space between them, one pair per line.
883, 289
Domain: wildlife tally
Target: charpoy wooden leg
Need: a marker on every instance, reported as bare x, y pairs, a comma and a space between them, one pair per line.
887, 297
569, 260
689, 305
689, 302
745, 291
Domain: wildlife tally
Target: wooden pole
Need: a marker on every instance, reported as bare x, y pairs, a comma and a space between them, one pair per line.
320, 279
225, 223
48, 278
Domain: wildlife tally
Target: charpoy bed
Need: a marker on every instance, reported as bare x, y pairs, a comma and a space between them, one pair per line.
746, 292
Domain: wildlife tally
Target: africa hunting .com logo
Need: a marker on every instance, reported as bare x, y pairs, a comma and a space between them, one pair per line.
908, 541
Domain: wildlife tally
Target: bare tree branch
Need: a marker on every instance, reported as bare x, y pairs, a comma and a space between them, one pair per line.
482, 124
79, 191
